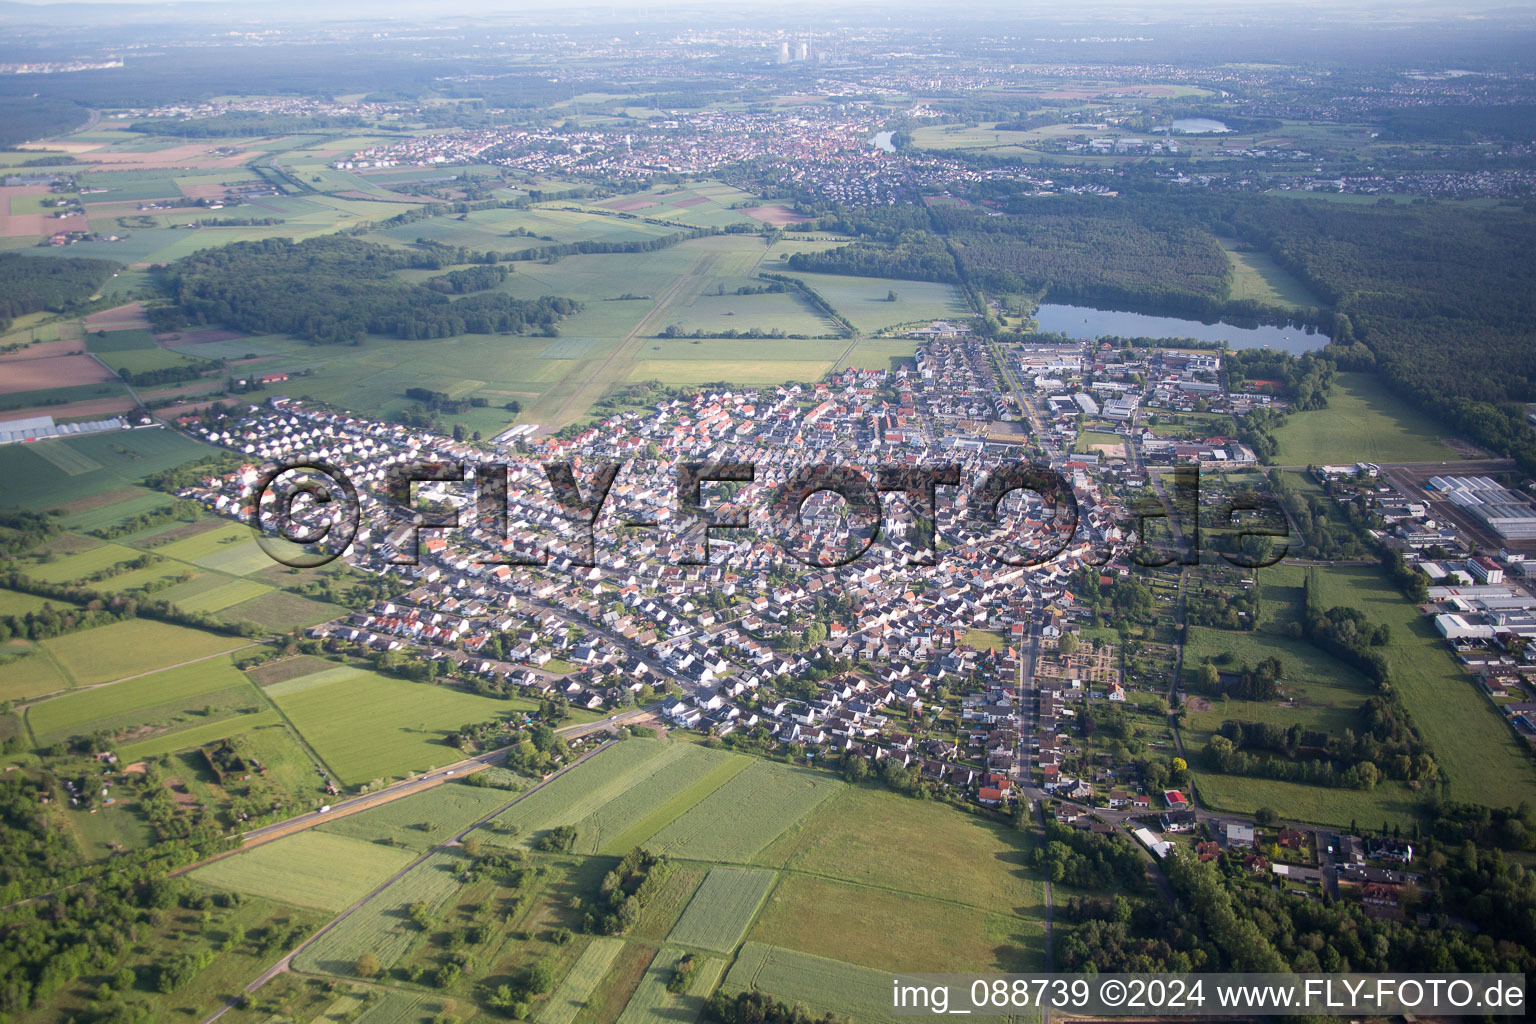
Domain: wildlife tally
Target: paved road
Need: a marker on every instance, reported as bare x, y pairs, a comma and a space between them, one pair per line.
408, 787
287, 961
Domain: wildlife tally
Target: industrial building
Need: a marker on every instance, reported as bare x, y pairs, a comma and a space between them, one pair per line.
1496, 506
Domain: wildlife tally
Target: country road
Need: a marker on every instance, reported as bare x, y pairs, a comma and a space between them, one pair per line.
287, 961
404, 788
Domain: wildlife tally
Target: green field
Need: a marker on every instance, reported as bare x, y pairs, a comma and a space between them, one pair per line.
370, 726
382, 925
28, 670
196, 735
421, 820
894, 931
872, 836
580, 982
864, 301
35, 481
14, 602
133, 647
716, 829
1390, 802
858, 993
1256, 276
722, 909
309, 869
653, 1004
149, 699
590, 786
1364, 422
1470, 741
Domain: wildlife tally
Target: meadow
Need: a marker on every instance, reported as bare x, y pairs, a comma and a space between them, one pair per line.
308, 869
894, 931
153, 702
1256, 276
1363, 422
133, 647
874, 837
722, 909
402, 726
98, 462
653, 1004
196, 735
1470, 741
716, 829
382, 926
27, 670
629, 820
589, 787
421, 820
828, 986
865, 302
580, 982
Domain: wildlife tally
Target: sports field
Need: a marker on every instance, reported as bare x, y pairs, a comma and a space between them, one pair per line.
1364, 422
310, 869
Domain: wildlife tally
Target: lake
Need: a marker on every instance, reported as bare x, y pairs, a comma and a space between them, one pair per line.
1086, 322
882, 140
1198, 126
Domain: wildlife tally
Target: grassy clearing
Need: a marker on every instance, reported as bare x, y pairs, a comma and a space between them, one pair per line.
723, 908
309, 869
1256, 276
580, 982
1364, 422
875, 837
421, 820
14, 602
718, 830
405, 722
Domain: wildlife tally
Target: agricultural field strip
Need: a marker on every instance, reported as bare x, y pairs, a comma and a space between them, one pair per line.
580, 982
651, 1003
336, 923
304, 870
723, 908
679, 783
716, 828
598, 781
